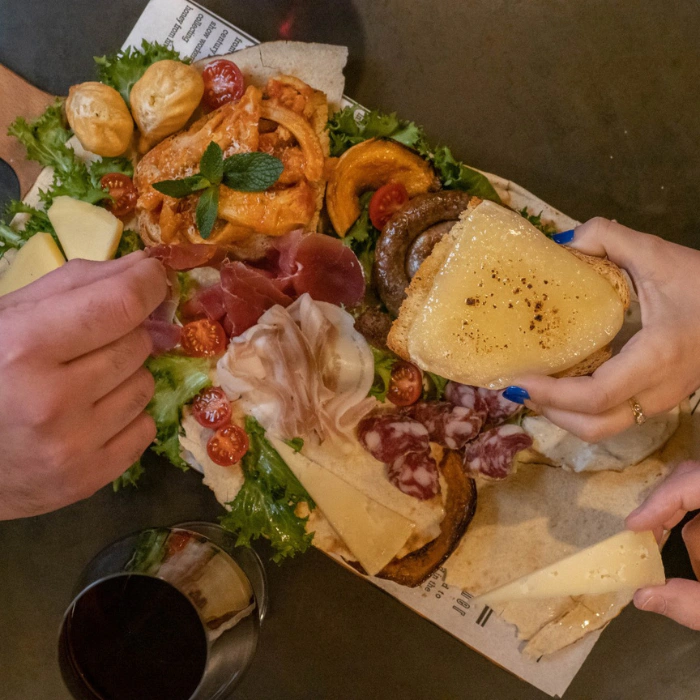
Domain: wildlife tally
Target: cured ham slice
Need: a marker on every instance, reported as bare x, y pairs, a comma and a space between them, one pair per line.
492, 454
183, 256
302, 371
209, 302
328, 271
248, 293
164, 335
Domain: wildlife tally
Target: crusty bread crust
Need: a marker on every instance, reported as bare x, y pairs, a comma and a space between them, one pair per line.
422, 282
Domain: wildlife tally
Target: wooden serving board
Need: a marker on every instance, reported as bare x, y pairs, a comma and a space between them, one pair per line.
19, 99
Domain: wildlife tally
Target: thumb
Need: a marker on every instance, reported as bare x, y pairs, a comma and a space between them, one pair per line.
626, 247
678, 600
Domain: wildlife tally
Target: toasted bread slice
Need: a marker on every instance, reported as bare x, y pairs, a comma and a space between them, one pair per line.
421, 287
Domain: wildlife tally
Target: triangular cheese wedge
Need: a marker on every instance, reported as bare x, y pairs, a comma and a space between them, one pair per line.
626, 561
371, 531
508, 301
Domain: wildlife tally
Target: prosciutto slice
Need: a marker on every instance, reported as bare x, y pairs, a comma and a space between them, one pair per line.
248, 293
301, 371
492, 454
183, 256
209, 302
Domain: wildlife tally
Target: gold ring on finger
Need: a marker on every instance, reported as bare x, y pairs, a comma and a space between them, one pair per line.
637, 411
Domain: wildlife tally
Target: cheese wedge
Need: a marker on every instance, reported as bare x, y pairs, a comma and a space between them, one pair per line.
507, 301
38, 256
371, 531
626, 561
86, 231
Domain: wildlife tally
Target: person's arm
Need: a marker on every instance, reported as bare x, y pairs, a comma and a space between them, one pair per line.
659, 366
73, 388
679, 599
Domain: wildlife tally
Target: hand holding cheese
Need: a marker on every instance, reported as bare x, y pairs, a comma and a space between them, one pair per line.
679, 598
72, 346
659, 366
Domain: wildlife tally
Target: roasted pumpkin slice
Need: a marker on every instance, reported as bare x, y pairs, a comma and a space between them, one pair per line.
460, 506
368, 166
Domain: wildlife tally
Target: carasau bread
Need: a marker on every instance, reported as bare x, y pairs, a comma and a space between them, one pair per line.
422, 284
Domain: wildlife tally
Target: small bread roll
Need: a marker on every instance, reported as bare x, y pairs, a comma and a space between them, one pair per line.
100, 118
164, 99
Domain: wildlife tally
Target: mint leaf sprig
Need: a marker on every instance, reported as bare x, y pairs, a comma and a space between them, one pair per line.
245, 172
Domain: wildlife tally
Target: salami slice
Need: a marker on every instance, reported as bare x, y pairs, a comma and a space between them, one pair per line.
415, 474
492, 453
499, 408
467, 397
388, 436
448, 425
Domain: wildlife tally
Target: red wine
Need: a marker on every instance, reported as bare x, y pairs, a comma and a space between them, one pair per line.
133, 637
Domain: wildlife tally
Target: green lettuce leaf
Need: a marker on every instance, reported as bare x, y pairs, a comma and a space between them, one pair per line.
128, 243
383, 364
129, 477
14, 236
265, 505
536, 221
123, 69
362, 237
101, 167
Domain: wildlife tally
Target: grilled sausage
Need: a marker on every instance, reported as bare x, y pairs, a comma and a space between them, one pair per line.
421, 213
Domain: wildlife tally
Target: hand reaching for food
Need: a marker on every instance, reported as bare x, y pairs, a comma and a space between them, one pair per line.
72, 384
658, 367
679, 599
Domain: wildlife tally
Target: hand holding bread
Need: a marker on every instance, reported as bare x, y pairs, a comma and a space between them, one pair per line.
659, 366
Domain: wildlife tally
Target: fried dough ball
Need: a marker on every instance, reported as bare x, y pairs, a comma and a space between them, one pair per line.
100, 118
164, 99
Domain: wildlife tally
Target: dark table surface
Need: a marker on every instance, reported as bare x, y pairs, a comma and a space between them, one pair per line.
593, 106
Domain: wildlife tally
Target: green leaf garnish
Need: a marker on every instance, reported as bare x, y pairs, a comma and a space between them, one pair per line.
207, 210
362, 237
252, 172
536, 221
182, 188
295, 443
246, 172
211, 164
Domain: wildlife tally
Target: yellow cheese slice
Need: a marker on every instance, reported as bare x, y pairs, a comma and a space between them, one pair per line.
37, 257
509, 301
86, 231
626, 561
371, 531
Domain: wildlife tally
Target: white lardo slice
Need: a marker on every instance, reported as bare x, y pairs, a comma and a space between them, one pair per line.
508, 301
371, 531
624, 450
626, 561
86, 231
37, 257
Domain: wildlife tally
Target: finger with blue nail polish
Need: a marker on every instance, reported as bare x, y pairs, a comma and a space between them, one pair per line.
564, 237
516, 394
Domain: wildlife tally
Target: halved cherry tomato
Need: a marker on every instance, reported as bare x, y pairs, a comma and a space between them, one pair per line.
122, 188
406, 384
227, 445
211, 408
385, 202
177, 541
203, 338
223, 82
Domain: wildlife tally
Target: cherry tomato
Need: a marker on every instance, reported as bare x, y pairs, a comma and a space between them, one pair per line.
203, 338
223, 82
227, 445
211, 408
385, 202
406, 384
122, 189
177, 541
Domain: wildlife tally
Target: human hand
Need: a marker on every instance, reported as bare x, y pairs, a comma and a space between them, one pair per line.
679, 599
659, 366
73, 388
